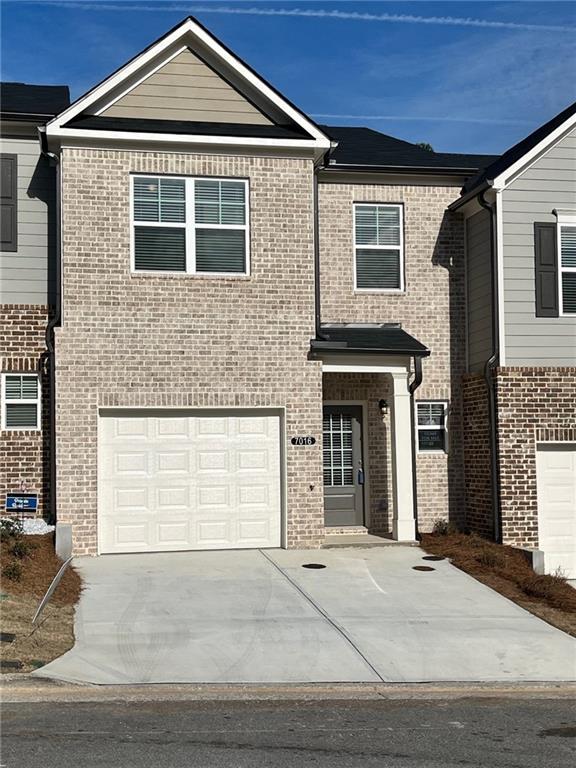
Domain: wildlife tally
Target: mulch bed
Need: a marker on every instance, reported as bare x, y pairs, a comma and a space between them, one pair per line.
25, 646
37, 571
507, 571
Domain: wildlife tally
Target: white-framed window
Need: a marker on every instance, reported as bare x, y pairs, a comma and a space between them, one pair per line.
190, 225
20, 401
567, 266
378, 247
432, 426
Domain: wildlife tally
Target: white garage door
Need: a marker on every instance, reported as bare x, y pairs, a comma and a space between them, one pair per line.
556, 467
180, 480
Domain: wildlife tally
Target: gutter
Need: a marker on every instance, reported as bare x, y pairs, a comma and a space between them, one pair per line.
50, 355
414, 384
419, 170
489, 366
316, 225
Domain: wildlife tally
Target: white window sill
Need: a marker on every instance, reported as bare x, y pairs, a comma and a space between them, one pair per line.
379, 291
194, 275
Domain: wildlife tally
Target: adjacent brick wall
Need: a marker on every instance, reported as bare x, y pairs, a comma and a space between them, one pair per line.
431, 309
534, 404
477, 454
147, 340
24, 453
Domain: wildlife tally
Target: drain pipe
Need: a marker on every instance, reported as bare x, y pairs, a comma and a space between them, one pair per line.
489, 367
316, 255
414, 384
49, 356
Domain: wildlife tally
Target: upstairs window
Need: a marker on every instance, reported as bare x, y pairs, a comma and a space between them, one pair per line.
432, 426
567, 239
20, 401
194, 226
378, 247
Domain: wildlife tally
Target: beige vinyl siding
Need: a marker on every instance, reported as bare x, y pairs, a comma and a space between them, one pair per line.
548, 184
478, 287
25, 273
186, 89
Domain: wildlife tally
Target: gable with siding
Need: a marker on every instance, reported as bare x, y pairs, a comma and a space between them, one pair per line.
547, 184
185, 88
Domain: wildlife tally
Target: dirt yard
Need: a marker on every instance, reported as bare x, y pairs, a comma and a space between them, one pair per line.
507, 571
27, 572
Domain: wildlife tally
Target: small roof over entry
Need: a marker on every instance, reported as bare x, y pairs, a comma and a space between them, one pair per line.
381, 338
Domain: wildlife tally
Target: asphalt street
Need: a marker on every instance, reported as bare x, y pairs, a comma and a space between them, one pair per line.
411, 733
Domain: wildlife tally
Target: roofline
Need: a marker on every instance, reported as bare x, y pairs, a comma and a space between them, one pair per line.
26, 116
416, 169
190, 24
469, 195
317, 347
505, 176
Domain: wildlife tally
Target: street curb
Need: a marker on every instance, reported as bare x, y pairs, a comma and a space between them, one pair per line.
22, 688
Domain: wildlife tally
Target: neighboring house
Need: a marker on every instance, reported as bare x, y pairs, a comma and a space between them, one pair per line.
521, 298
27, 285
264, 326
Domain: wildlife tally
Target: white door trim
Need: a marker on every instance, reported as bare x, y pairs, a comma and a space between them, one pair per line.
365, 452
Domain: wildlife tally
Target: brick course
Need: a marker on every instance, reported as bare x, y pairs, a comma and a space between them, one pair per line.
24, 453
477, 454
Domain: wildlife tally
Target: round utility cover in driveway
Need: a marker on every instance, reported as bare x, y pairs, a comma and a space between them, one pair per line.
175, 480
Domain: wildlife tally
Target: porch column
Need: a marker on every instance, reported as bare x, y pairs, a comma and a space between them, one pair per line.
403, 524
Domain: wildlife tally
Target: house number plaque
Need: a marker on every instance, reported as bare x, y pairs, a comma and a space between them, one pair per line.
303, 440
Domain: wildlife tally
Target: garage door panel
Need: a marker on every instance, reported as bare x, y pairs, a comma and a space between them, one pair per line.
556, 481
189, 481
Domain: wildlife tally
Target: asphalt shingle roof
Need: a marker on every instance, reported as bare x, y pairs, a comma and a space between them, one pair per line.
385, 338
23, 99
519, 150
367, 147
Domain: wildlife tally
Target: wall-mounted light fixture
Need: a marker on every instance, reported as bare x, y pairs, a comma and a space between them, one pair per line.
383, 405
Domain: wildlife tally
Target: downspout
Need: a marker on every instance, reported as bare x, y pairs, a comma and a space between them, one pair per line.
414, 384
49, 355
318, 315
489, 367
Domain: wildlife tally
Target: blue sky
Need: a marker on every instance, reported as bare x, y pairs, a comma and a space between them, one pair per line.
465, 76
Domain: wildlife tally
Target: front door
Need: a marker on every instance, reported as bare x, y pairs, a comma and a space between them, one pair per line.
343, 469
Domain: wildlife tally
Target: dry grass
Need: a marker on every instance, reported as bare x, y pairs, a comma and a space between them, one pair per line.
38, 569
54, 634
508, 571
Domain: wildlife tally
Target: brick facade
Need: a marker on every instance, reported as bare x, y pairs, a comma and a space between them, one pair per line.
24, 453
431, 309
477, 456
534, 405
161, 340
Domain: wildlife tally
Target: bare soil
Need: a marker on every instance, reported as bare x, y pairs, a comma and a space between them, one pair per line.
34, 646
507, 571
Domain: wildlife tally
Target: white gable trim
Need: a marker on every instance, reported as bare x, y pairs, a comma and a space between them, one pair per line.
188, 27
178, 138
142, 79
527, 160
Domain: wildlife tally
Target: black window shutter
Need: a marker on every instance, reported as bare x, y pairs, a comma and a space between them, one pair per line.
546, 269
9, 202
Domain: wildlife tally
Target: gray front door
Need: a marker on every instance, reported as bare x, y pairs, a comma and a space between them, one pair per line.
343, 470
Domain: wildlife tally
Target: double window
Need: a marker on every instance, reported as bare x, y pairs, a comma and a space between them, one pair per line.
432, 426
567, 248
190, 225
378, 247
20, 401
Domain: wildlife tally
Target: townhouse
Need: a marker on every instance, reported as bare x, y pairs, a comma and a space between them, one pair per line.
270, 332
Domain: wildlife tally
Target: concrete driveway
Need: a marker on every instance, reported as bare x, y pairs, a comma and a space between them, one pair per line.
260, 617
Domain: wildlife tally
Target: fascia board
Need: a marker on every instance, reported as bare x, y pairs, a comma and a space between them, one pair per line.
321, 141
523, 163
